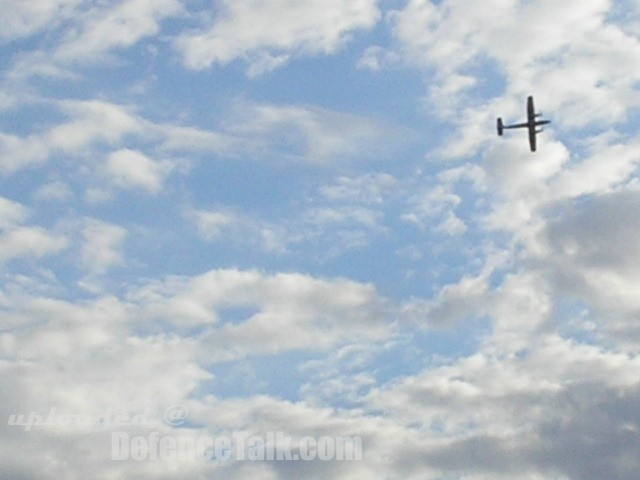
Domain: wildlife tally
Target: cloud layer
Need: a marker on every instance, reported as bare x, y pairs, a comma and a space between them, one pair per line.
295, 216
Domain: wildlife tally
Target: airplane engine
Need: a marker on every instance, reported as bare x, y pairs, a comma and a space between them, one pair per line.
500, 126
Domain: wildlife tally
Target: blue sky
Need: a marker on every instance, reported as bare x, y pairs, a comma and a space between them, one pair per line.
296, 215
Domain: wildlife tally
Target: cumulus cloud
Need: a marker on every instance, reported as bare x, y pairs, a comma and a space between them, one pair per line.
106, 26
69, 33
484, 415
132, 169
85, 32
11, 213
315, 313
23, 241
92, 121
436, 203
23, 19
111, 345
377, 58
79, 358
211, 223
53, 191
101, 245
593, 243
20, 152
267, 34
89, 123
29, 242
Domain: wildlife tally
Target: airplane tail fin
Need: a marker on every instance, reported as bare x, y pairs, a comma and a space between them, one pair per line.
500, 127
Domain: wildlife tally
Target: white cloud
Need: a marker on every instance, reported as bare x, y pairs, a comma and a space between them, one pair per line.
11, 213
468, 299
21, 241
182, 138
452, 33
310, 133
571, 56
97, 195
377, 58
101, 246
211, 223
436, 206
343, 226
53, 191
267, 33
261, 131
265, 62
94, 339
242, 229
80, 358
490, 414
80, 32
592, 252
495, 416
351, 215
22, 19
315, 313
7, 100
132, 169
343, 214
109, 26
368, 189
17, 153
292, 132
609, 165
569, 220
90, 123
552, 235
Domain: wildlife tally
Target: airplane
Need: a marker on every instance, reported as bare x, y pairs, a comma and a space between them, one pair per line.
531, 124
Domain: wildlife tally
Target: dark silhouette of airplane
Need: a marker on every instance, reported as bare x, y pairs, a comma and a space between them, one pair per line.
531, 124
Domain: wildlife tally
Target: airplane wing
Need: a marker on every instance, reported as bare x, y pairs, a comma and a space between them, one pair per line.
531, 113
532, 137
